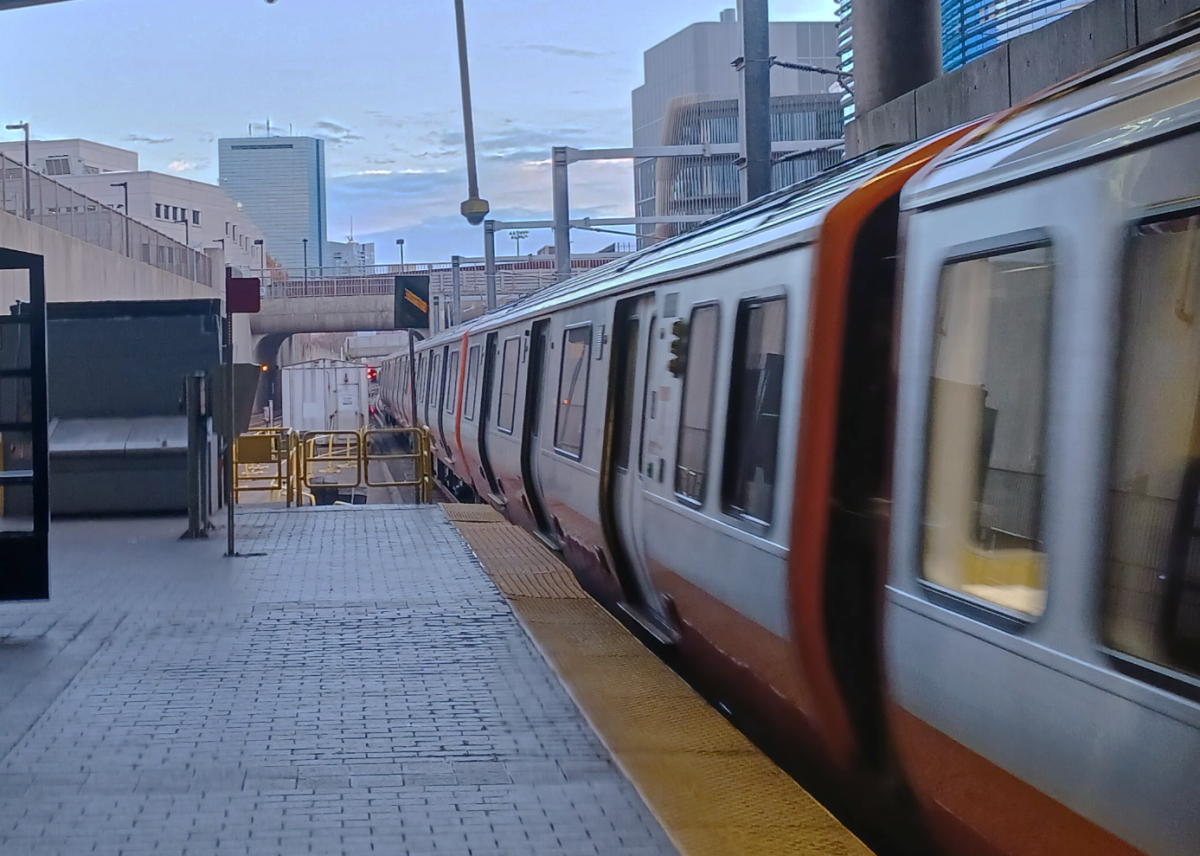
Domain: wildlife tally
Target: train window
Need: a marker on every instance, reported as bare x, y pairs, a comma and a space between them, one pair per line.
508, 384
471, 387
434, 400
695, 420
421, 371
572, 390
987, 414
755, 401
452, 383
1152, 579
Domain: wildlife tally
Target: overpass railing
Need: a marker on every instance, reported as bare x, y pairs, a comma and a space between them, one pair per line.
515, 276
39, 199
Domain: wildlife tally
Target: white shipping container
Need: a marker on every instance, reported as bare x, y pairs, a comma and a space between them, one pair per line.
325, 395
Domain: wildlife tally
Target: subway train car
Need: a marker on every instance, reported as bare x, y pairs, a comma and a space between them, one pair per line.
905, 459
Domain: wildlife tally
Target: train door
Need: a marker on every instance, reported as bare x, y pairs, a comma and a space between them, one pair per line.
634, 353
448, 398
531, 450
491, 346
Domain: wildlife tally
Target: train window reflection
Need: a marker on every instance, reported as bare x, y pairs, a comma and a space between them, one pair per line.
508, 384
755, 400
471, 387
452, 383
695, 421
985, 468
1152, 585
572, 389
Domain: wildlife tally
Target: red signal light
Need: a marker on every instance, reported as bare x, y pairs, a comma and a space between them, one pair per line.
372, 373
264, 368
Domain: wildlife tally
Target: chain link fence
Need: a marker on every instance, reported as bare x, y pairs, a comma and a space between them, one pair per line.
42, 200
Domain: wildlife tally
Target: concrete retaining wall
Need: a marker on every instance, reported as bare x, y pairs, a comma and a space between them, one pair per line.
77, 270
1018, 69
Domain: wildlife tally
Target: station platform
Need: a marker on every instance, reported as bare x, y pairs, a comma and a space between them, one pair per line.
372, 679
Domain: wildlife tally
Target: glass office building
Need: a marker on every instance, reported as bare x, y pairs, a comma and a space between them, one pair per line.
280, 183
970, 28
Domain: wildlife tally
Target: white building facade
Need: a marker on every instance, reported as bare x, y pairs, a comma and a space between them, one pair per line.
60, 158
348, 257
194, 213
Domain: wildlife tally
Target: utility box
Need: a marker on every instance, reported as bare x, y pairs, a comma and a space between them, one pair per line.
325, 395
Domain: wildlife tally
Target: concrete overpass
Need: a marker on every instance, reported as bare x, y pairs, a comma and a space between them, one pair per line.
328, 301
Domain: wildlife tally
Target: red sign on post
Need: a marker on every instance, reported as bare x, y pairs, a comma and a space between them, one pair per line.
242, 295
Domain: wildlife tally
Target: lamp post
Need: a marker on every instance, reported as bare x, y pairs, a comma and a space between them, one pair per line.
474, 208
24, 126
400, 244
305, 241
125, 186
518, 235
187, 231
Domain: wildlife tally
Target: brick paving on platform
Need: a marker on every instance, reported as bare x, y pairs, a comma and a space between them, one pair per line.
354, 684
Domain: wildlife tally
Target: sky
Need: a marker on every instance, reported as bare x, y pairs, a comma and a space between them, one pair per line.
378, 80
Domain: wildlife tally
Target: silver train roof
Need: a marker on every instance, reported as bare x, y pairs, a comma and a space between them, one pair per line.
1148, 94
786, 217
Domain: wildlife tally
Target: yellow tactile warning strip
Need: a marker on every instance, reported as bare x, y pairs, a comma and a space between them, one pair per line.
712, 790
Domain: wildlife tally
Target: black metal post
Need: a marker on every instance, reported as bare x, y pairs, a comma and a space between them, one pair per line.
755, 113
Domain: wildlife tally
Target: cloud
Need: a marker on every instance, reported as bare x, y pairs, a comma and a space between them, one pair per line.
386, 118
180, 166
521, 144
334, 133
151, 141
558, 50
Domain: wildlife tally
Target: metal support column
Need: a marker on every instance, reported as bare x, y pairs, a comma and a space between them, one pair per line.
562, 215
194, 395
754, 117
228, 429
489, 261
455, 291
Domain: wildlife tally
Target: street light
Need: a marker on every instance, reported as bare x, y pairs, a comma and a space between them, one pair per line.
474, 208
518, 235
125, 185
400, 244
187, 231
24, 126
305, 241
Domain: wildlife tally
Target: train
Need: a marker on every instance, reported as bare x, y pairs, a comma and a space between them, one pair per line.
905, 459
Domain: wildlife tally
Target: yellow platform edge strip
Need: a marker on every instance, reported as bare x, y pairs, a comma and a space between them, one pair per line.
711, 789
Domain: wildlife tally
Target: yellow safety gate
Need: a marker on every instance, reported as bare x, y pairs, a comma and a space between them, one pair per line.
265, 460
289, 466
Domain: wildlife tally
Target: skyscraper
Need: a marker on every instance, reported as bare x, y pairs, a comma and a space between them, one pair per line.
280, 183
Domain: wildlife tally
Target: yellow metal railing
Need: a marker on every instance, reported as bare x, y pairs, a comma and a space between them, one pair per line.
289, 466
265, 460
419, 453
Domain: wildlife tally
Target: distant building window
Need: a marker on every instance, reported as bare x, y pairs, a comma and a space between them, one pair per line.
226, 227
58, 166
158, 209
195, 218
